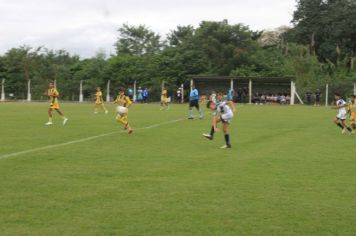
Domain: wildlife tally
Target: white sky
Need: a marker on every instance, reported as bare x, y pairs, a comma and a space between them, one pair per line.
84, 26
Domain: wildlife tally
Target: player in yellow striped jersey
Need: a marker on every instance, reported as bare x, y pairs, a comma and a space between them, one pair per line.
53, 95
164, 99
99, 102
123, 103
352, 111
220, 97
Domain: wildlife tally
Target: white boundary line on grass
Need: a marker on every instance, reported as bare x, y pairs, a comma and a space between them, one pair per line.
14, 154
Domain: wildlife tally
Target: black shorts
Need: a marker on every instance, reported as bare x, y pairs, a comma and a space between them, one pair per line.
194, 103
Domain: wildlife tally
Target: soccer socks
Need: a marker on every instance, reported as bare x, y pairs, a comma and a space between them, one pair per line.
190, 113
200, 113
227, 139
118, 118
340, 125
212, 131
122, 119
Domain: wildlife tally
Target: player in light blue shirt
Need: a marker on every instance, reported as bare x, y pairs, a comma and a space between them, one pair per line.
230, 95
194, 102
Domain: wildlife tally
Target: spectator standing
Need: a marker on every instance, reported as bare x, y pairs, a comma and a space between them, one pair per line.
145, 95
139, 95
317, 97
309, 97
130, 93
179, 95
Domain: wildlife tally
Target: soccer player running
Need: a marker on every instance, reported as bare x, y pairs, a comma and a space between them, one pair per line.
53, 95
123, 101
99, 102
194, 102
222, 112
352, 112
164, 100
340, 118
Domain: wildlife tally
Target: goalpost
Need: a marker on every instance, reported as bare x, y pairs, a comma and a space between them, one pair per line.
294, 94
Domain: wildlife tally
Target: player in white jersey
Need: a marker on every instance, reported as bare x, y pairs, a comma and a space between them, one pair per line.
222, 112
213, 97
340, 119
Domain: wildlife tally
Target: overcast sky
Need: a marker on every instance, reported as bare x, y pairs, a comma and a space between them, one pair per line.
84, 26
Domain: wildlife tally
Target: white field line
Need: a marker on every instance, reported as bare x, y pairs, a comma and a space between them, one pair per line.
14, 154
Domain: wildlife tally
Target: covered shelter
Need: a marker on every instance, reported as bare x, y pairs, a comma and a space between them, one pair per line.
246, 85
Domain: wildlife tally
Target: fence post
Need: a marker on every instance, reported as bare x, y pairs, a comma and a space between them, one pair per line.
250, 91
2, 90
134, 92
108, 91
182, 91
81, 91
29, 97
327, 95
354, 89
292, 93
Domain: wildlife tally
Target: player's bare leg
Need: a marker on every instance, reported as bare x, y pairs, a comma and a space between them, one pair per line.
124, 120
190, 117
213, 130
59, 112
337, 122
200, 112
65, 120
226, 135
49, 117
163, 105
345, 127
104, 108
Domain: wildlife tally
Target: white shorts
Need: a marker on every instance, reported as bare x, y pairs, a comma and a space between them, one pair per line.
225, 118
341, 116
122, 110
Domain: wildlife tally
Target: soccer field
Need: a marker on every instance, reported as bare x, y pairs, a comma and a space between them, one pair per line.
290, 172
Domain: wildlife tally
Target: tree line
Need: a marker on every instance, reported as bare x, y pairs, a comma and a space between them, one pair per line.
318, 49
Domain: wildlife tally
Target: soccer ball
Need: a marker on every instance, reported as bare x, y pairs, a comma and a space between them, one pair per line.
121, 110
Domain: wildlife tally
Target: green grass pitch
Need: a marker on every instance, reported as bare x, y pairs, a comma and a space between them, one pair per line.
290, 172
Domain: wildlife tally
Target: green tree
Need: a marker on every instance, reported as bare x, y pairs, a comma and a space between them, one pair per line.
325, 25
137, 41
